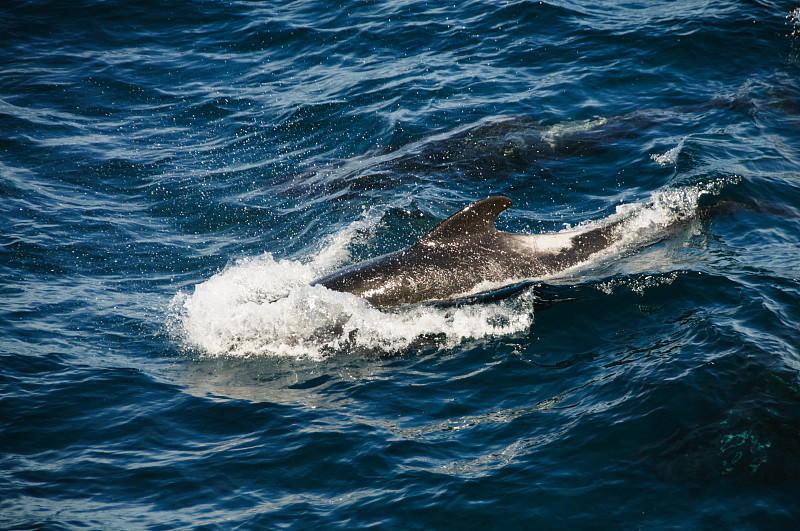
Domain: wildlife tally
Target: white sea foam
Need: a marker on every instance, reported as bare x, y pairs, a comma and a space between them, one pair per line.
794, 18
670, 157
263, 306
555, 133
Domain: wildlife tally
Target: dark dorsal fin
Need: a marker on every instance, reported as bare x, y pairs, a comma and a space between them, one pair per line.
477, 218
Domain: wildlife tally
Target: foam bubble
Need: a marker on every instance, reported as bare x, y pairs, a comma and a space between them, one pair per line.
665, 207
794, 18
670, 157
637, 285
555, 133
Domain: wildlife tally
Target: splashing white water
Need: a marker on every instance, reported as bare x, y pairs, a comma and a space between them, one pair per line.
553, 134
263, 306
794, 19
670, 157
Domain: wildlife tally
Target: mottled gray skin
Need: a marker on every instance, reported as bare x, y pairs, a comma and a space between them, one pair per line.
462, 252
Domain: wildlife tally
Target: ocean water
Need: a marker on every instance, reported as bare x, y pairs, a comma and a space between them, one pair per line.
173, 176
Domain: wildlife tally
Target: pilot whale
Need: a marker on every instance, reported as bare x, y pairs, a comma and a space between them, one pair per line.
464, 253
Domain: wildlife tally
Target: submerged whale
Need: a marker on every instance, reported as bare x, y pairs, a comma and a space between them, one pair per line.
465, 253
489, 148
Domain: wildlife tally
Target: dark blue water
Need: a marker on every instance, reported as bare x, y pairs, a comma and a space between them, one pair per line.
174, 175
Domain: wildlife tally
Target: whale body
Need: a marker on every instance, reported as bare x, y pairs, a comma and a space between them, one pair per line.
465, 252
